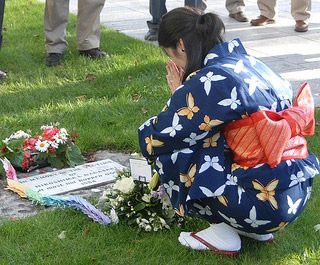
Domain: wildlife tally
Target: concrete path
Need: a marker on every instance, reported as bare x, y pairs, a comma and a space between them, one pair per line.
296, 56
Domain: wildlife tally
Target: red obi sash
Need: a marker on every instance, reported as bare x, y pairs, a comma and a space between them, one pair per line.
269, 137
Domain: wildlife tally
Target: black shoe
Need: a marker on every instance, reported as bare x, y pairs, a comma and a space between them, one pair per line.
3, 75
53, 59
152, 35
94, 53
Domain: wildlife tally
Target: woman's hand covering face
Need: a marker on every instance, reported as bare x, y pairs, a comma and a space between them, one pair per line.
174, 76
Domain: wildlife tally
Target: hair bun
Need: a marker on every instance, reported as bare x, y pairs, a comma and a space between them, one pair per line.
200, 20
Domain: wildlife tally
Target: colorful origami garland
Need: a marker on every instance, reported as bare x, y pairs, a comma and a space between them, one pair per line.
60, 201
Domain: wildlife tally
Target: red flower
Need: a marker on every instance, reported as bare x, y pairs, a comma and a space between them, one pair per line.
49, 133
4, 150
25, 163
52, 149
27, 155
30, 144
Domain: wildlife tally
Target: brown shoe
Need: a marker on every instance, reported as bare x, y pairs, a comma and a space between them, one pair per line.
261, 21
240, 17
301, 26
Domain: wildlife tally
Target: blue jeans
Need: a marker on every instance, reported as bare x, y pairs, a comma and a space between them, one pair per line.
1, 19
158, 8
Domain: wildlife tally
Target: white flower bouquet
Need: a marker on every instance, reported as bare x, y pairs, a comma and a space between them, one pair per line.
139, 204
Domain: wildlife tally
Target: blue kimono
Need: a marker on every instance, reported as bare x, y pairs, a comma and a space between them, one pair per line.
195, 165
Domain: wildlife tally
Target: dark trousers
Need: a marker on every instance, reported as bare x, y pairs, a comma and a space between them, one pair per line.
1, 19
158, 9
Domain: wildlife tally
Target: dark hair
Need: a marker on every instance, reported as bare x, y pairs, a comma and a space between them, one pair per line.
199, 34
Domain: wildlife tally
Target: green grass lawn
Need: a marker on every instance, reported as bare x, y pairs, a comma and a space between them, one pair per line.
106, 112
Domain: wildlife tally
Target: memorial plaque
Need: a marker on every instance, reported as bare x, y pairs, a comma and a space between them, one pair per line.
70, 179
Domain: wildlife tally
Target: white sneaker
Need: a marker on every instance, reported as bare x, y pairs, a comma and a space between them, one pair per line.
219, 238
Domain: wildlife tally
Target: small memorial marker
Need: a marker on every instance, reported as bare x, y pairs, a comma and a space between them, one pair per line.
140, 170
70, 179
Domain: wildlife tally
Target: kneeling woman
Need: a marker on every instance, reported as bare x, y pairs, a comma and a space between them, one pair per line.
229, 143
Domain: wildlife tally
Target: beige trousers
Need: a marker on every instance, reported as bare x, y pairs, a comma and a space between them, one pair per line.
300, 9
88, 24
235, 6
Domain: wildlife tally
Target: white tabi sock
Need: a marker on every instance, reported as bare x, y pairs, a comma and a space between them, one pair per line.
265, 237
221, 236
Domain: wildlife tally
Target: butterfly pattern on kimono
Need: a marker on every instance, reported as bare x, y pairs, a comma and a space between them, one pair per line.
187, 142
208, 123
267, 192
190, 110
188, 178
151, 143
180, 211
211, 141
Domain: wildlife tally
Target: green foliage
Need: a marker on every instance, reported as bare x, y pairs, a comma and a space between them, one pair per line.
73, 155
55, 162
105, 111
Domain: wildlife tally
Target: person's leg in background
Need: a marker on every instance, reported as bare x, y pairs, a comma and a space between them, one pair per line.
200, 4
157, 9
55, 23
301, 12
2, 3
236, 10
88, 28
268, 13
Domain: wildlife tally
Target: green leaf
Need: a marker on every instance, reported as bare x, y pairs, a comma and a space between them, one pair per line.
139, 207
16, 144
41, 156
61, 149
17, 160
74, 156
2, 171
55, 161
